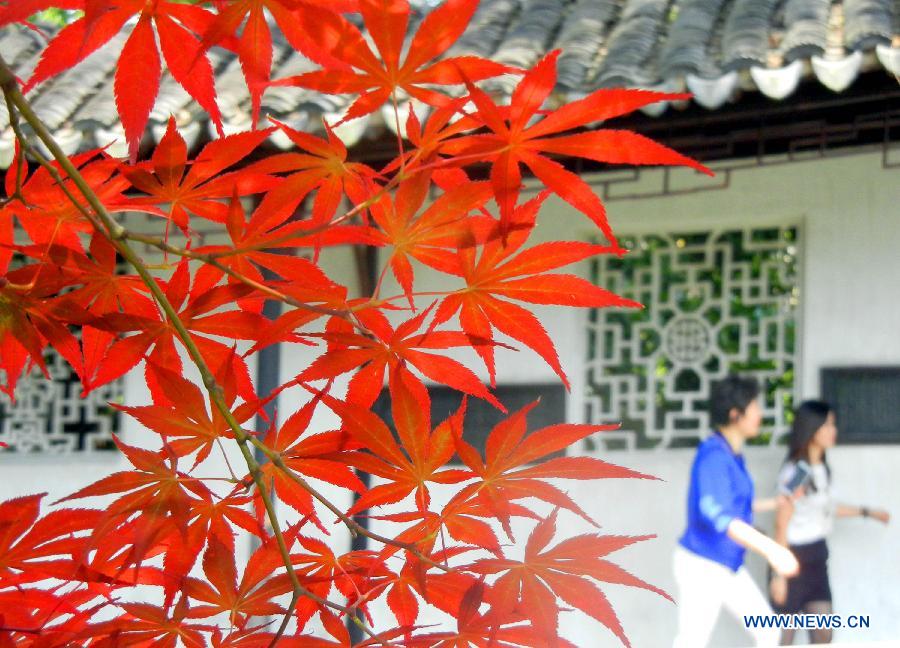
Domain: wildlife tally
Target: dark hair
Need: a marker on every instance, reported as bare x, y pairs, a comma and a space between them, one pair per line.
732, 392
808, 418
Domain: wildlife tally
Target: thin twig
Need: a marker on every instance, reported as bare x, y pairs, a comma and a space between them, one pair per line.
227, 462
355, 527
212, 259
20, 158
403, 174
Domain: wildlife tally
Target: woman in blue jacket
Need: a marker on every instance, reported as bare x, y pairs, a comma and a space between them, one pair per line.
708, 561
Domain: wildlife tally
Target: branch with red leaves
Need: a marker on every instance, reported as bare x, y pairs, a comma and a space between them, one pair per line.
163, 527
116, 234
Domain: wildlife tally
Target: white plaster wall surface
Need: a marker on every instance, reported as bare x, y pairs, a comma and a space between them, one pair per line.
850, 305
851, 315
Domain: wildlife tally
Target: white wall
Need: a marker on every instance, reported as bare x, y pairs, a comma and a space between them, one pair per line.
850, 302
851, 315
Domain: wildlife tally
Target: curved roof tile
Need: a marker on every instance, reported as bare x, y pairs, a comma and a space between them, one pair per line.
807, 32
630, 56
745, 38
691, 46
581, 38
868, 23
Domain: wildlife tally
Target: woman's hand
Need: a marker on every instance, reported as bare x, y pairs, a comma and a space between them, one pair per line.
881, 515
779, 556
782, 560
778, 589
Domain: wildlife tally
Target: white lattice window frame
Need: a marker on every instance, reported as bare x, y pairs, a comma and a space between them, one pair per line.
668, 436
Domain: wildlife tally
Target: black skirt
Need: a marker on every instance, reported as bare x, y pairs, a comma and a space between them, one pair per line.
811, 584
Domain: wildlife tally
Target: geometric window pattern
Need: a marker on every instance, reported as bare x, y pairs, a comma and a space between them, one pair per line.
51, 415
716, 301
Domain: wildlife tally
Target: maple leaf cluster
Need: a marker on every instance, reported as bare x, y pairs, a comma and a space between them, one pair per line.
65, 574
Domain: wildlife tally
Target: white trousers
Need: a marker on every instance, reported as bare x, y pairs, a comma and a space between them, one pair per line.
704, 587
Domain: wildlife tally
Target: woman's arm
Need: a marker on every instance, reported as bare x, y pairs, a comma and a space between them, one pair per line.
784, 509
764, 505
780, 557
844, 510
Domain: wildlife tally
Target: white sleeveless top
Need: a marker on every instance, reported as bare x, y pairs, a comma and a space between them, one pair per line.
814, 510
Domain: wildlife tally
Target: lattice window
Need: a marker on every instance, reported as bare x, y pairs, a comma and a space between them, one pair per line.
51, 416
716, 301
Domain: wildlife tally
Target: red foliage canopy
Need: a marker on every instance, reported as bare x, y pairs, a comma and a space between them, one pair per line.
164, 526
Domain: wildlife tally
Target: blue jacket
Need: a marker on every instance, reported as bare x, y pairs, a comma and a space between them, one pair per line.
721, 490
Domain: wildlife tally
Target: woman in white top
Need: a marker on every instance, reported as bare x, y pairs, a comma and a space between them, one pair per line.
805, 512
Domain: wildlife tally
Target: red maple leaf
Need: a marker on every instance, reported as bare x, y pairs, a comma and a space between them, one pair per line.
409, 465
252, 596
148, 625
442, 589
254, 44
322, 166
388, 348
138, 70
499, 272
34, 549
196, 188
377, 77
94, 288
186, 425
313, 455
195, 303
427, 237
485, 630
253, 638
504, 475
512, 139
46, 213
252, 252
567, 571
28, 323
101, 290
44, 618
156, 492
355, 574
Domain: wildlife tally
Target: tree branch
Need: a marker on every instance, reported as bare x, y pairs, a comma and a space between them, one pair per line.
116, 233
354, 526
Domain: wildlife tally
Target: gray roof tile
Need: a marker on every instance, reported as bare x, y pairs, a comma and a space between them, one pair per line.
691, 45
630, 56
582, 38
868, 23
807, 33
